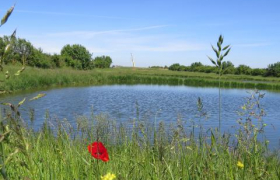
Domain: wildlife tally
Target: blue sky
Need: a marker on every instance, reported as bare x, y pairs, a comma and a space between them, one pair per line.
157, 32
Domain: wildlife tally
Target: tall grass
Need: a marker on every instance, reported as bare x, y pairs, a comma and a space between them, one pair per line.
220, 55
139, 149
34, 78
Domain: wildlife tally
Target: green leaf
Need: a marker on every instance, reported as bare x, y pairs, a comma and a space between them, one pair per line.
37, 97
219, 63
227, 52
9, 157
21, 102
7, 15
217, 53
7, 76
17, 73
221, 39
13, 36
222, 57
219, 46
7, 48
2, 136
22, 69
6, 104
212, 61
213, 142
225, 47
224, 70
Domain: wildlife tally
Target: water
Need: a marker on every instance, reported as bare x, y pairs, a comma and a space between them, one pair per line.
149, 102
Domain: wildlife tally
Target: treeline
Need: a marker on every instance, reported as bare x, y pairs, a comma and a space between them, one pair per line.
75, 56
229, 68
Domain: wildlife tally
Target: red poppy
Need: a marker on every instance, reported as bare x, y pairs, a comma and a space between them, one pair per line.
98, 151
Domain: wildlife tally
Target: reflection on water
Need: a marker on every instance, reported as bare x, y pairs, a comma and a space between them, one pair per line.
165, 103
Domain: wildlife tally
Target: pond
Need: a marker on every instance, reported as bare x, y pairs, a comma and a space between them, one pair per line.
151, 103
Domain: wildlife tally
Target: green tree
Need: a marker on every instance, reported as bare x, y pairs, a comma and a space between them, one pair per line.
174, 67
273, 70
196, 66
40, 59
208, 69
22, 49
258, 72
57, 60
102, 62
77, 53
69, 61
243, 69
228, 67
3, 43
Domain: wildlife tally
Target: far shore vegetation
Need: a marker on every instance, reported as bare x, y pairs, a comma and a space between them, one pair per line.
36, 78
76, 66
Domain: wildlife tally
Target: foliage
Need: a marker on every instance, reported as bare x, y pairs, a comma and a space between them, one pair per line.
34, 78
77, 53
23, 48
228, 67
273, 70
243, 69
102, 62
23, 52
258, 72
40, 59
174, 67
159, 67
195, 65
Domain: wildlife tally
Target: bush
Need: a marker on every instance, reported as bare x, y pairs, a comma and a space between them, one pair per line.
273, 70
243, 69
77, 53
58, 61
258, 72
174, 67
102, 62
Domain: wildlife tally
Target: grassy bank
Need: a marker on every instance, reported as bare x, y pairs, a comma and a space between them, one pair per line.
59, 151
34, 78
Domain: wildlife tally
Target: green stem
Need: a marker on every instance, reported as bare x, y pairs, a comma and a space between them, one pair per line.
3, 169
220, 102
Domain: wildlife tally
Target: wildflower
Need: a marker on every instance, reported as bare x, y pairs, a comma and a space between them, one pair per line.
240, 164
108, 176
98, 151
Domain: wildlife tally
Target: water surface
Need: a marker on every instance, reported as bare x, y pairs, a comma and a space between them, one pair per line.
151, 103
